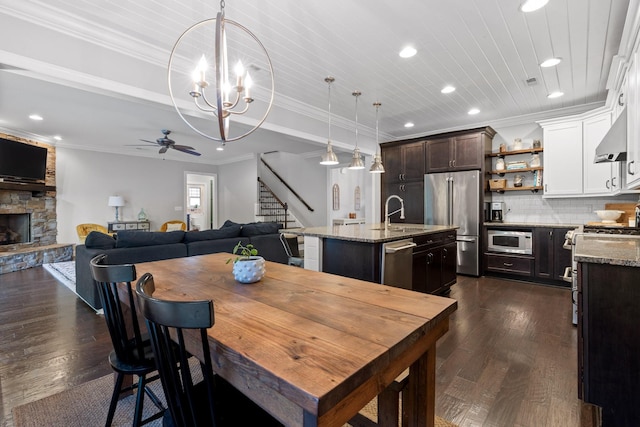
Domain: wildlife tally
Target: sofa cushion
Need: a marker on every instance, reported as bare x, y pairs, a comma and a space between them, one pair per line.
222, 233
214, 246
136, 239
259, 228
98, 240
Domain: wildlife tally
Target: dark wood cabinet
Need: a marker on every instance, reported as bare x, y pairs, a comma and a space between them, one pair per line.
413, 195
546, 264
608, 344
404, 177
404, 162
455, 153
551, 259
434, 263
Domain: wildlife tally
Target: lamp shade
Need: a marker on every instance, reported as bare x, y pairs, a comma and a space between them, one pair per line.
116, 201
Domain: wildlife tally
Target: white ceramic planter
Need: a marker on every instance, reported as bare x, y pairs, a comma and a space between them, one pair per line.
249, 270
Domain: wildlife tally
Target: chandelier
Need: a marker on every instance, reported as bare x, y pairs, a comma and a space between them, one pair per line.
356, 159
329, 158
376, 166
199, 76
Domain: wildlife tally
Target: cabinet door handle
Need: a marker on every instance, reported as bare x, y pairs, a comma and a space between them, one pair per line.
399, 177
621, 99
613, 182
507, 264
629, 167
444, 253
453, 162
606, 184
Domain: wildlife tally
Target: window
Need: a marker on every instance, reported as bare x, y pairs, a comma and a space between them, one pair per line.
195, 200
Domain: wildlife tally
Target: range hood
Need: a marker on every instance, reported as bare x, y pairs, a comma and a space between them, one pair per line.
613, 147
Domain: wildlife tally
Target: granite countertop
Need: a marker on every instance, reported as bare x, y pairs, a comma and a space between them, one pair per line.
608, 249
371, 232
529, 225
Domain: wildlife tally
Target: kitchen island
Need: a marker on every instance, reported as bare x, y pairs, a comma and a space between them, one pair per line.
380, 254
608, 319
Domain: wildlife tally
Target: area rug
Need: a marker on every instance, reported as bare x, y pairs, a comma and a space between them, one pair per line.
65, 272
87, 405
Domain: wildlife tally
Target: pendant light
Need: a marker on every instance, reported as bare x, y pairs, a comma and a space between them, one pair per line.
356, 160
329, 158
376, 166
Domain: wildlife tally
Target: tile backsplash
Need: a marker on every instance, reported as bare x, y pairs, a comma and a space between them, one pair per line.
532, 208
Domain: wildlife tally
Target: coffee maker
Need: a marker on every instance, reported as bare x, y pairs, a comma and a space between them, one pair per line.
497, 211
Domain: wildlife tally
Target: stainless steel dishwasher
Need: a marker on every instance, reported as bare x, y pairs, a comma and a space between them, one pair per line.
397, 263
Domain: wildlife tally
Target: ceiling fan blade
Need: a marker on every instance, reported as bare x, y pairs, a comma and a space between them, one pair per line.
185, 150
150, 142
163, 150
182, 147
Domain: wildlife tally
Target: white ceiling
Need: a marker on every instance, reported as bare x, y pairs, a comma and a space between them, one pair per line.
96, 69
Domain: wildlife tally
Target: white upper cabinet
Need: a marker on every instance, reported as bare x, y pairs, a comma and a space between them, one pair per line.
598, 178
569, 152
562, 158
632, 96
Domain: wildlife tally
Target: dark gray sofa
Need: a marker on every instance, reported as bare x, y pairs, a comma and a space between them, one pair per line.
131, 247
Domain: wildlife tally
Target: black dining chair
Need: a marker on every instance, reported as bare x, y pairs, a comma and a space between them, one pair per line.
132, 353
211, 401
292, 258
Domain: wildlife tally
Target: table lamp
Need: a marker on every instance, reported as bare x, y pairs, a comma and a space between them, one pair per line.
116, 201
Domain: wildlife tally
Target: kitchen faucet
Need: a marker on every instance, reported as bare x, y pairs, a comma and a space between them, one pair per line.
386, 210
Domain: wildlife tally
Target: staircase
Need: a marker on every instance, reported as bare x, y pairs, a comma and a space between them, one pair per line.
272, 209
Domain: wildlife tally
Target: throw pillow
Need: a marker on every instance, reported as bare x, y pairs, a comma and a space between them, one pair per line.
229, 223
259, 228
222, 233
98, 240
135, 239
174, 227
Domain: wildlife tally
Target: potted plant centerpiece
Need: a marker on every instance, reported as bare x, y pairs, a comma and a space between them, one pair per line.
248, 267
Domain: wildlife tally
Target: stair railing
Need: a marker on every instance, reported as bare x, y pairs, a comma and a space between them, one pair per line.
286, 185
273, 208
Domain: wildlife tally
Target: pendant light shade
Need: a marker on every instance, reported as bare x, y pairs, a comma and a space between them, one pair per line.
376, 166
329, 158
356, 160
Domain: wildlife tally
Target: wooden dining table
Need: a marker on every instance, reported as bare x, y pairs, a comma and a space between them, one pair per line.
312, 348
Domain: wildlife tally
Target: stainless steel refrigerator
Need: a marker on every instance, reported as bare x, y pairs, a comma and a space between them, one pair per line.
453, 198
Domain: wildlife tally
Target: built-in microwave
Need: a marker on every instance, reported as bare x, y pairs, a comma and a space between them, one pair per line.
510, 241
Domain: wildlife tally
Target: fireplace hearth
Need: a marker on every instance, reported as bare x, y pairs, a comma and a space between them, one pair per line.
15, 228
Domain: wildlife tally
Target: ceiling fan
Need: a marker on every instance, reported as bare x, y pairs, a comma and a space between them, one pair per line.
165, 143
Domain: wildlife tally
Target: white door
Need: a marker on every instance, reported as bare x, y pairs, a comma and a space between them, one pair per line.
201, 201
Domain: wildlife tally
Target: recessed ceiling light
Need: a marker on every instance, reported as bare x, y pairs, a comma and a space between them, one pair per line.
35, 117
473, 111
448, 89
531, 5
555, 94
408, 125
57, 137
551, 62
408, 52
220, 148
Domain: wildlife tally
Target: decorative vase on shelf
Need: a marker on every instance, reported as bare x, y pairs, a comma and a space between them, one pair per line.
249, 270
142, 216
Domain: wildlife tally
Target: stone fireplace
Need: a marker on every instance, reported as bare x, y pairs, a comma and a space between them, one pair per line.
28, 222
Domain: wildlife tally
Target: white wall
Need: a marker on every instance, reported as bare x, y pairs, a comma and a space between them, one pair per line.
237, 191
86, 179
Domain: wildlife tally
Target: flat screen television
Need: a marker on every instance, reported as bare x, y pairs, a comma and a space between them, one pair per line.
22, 162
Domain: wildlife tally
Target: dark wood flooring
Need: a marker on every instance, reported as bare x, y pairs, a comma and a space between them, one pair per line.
509, 358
